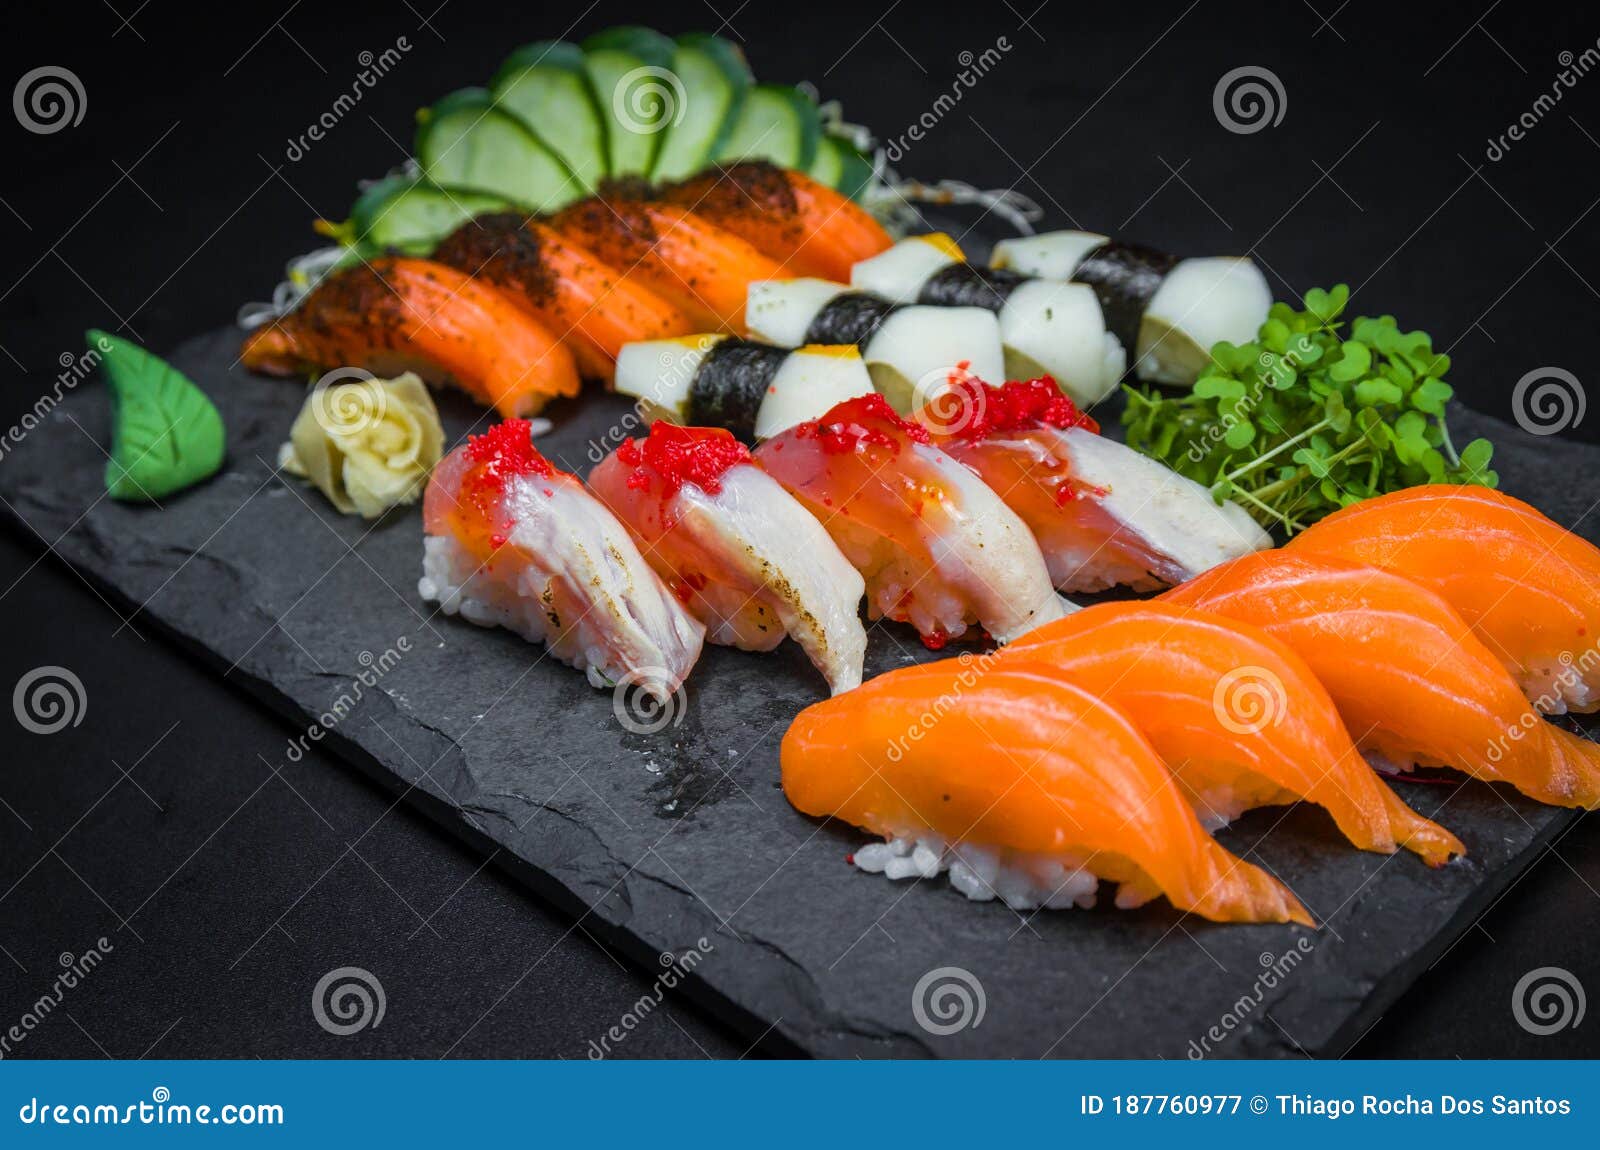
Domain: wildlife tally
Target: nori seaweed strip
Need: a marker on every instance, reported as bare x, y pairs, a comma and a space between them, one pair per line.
968, 285
851, 317
1124, 277
731, 383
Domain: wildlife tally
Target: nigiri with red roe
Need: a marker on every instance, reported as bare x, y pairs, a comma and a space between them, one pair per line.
513, 542
938, 549
1103, 514
737, 550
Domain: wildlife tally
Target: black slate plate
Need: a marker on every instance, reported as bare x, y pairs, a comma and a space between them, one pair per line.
661, 840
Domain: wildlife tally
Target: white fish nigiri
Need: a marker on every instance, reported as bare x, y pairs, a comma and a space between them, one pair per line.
939, 550
736, 548
513, 542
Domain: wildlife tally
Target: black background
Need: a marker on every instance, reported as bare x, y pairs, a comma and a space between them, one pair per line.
227, 889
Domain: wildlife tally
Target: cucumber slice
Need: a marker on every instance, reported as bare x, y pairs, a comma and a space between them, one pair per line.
466, 141
855, 170
712, 77
546, 86
628, 67
776, 123
410, 215
827, 167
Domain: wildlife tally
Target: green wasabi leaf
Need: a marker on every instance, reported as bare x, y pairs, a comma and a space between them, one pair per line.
165, 434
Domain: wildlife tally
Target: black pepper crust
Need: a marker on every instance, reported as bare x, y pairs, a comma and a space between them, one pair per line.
754, 191
499, 248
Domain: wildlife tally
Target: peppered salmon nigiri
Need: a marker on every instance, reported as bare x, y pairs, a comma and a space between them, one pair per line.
1238, 717
1529, 588
809, 228
1024, 787
398, 314
591, 306
1412, 682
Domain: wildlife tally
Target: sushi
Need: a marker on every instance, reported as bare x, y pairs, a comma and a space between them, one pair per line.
1166, 311
1414, 685
807, 227
754, 390
737, 549
511, 541
594, 309
1104, 515
1047, 327
1238, 717
399, 314
1529, 588
1020, 785
938, 549
912, 351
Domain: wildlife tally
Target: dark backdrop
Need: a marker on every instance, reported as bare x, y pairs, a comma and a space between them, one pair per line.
227, 890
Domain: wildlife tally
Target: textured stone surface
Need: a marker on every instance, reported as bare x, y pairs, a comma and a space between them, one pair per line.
659, 840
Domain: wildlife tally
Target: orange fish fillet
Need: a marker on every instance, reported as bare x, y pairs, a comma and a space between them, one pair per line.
1017, 759
1239, 717
1411, 681
398, 313
1529, 587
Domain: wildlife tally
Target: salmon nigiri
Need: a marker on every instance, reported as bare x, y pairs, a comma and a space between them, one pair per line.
740, 552
1104, 514
1529, 587
1237, 716
592, 307
702, 269
939, 550
1022, 786
399, 314
513, 542
809, 228
1414, 685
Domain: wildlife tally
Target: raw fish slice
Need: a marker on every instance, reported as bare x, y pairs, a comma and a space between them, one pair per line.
1529, 588
1032, 782
702, 269
810, 229
1238, 717
745, 557
513, 542
1412, 682
593, 308
938, 549
1104, 514
392, 315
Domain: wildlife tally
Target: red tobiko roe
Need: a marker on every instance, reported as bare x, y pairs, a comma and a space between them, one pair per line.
1018, 405
679, 455
503, 452
859, 423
